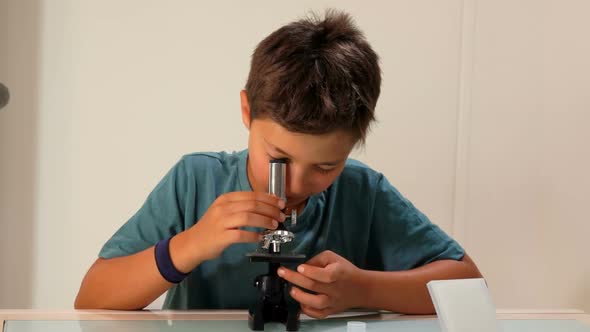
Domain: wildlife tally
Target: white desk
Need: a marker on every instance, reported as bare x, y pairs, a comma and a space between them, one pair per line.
226, 320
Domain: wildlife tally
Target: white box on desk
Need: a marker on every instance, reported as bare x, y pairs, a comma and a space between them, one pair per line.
464, 305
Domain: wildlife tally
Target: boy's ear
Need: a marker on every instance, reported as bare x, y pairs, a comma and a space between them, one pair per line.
245, 109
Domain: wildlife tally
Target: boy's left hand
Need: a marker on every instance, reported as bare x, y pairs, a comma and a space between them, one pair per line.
333, 278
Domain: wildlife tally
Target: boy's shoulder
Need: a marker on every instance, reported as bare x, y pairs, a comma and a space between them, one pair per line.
212, 159
354, 166
360, 174
220, 167
211, 156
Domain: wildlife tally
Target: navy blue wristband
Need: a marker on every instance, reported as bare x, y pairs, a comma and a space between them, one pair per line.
164, 262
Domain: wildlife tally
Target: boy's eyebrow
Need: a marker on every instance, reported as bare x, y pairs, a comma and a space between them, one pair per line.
281, 151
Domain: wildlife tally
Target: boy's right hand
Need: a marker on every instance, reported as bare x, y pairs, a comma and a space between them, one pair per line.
220, 225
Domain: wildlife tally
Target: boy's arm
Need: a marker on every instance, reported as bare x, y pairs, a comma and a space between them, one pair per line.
132, 282
339, 285
406, 291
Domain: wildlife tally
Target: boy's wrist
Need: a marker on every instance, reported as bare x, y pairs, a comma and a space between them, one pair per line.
184, 252
365, 284
375, 286
164, 262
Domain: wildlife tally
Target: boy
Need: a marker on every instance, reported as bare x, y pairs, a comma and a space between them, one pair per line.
310, 97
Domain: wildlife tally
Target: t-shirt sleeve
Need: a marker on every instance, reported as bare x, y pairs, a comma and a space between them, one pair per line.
402, 237
161, 216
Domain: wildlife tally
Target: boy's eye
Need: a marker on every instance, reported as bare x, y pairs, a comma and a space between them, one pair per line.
317, 168
323, 170
273, 157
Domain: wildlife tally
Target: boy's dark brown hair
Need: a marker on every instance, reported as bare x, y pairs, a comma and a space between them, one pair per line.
315, 76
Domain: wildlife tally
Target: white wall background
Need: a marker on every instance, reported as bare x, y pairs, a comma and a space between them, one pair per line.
484, 121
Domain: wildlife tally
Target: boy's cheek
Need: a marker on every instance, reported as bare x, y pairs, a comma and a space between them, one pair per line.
259, 168
324, 182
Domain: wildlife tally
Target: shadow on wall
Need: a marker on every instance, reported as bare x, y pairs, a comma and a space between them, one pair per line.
19, 68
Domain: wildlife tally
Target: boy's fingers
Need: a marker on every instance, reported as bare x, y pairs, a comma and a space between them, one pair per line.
319, 301
252, 195
316, 273
315, 313
322, 259
300, 280
241, 219
257, 207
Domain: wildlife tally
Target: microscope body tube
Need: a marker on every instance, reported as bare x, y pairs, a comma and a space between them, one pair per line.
277, 177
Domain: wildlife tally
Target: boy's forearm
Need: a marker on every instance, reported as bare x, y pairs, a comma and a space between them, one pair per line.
406, 291
122, 283
131, 282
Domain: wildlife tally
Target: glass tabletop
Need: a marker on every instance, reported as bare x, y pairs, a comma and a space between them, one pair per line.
242, 325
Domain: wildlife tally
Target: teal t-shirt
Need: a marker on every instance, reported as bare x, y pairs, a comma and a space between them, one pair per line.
361, 217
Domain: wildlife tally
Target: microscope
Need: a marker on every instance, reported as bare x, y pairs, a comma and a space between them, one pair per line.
274, 304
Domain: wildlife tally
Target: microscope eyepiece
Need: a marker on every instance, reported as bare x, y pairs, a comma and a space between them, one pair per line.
277, 177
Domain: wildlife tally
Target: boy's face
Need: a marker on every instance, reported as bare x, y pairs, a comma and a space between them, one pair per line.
313, 161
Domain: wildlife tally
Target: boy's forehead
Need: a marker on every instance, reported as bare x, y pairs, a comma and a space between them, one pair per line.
327, 148
315, 154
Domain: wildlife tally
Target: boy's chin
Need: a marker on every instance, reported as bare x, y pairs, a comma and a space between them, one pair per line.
292, 203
